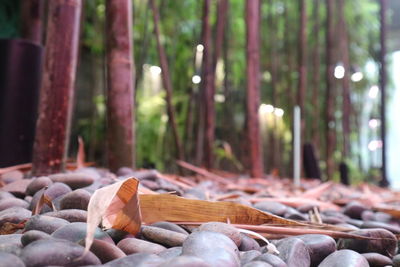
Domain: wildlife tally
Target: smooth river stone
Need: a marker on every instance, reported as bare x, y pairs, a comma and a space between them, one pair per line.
8, 259
248, 243
11, 243
223, 228
170, 226
247, 256
45, 224
396, 260
75, 232
17, 188
38, 184
257, 264
73, 180
105, 251
377, 260
354, 210
185, 261
385, 245
71, 215
271, 207
171, 253
77, 199
33, 235
4, 195
319, 247
271, 259
13, 202
371, 224
14, 215
294, 252
162, 236
344, 258
137, 260
215, 248
53, 192
12, 176
133, 245
117, 235
56, 252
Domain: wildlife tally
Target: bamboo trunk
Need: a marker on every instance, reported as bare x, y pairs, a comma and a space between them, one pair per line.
301, 90
31, 20
56, 96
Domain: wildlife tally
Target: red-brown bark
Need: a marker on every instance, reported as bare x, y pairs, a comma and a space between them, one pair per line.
32, 20
120, 84
56, 96
253, 87
301, 90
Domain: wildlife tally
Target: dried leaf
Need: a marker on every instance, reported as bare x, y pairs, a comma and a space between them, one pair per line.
166, 207
270, 247
394, 211
80, 157
298, 201
44, 199
10, 228
116, 206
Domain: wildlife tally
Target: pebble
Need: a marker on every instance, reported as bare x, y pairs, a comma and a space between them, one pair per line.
71, 215
77, 199
33, 235
117, 235
53, 191
105, 251
37, 184
344, 258
8, 259
294, 252
272, 207
133, 245
13, 202
12, 176
248, 243
17, 188
75, 232
247, 256
4, 195
377, 260
372, 224
137, 260
223, 228
272, 260
170, 226
14, 215
214, 248
56, 252
354, 210
257, 264
11, 244
387, 245
162, 236
319, 246
396, 260
185, 261
45, 224
73, 180
171, 253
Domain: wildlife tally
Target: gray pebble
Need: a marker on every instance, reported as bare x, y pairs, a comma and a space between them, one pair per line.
134, 245
162, 236
344, 258
319, 246
77, 199
294, 252
45, 224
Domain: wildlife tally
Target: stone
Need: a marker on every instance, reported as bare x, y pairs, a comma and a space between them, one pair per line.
33, 235
372, 224
105, 251
223, 228
248, 256
53, 192
117, 235
74, 180
354, 210
257, 264
272, 260
17, 188
137, 260
385, 245
171, 253
37, 184
71, 215
57, 252
186, 261
215, 248
8, 259
4, 195
45, 224
319, 246
162, 236
248, 243
377, 260
13, 202
134, 245
14, 215
294, 252
11, 244
75, 232
344, 258
396, 260
170, 226
272, 207
77, 199
12, 176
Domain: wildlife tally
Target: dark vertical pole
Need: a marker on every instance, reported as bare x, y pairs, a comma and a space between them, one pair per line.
382, 55
120, 83
31, 20
57, 92
253, 87
301, 90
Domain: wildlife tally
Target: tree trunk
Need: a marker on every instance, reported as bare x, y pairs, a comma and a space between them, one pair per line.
382, 74
253, 87
31, 20
330, 94
120, 83
316, 79
56, 96
166, 80
301, 90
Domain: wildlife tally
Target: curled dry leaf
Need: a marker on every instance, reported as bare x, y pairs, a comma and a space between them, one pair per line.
116, 206
270, 247
43, 200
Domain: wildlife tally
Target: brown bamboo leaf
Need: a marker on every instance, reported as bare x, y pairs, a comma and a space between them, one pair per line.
394, 211
166, 207
10, 228
317, 191
116, 206
43, 200
298, 201
80, 157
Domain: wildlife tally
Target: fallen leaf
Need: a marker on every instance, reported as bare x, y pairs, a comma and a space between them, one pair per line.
115, 206
394, 211
8, 228
43, 200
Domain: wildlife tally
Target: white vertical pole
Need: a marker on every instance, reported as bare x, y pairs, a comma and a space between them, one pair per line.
296, 146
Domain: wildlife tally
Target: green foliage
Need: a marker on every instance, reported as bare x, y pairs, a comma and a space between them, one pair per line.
9, 18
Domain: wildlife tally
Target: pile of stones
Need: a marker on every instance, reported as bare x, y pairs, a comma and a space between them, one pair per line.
57, 238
